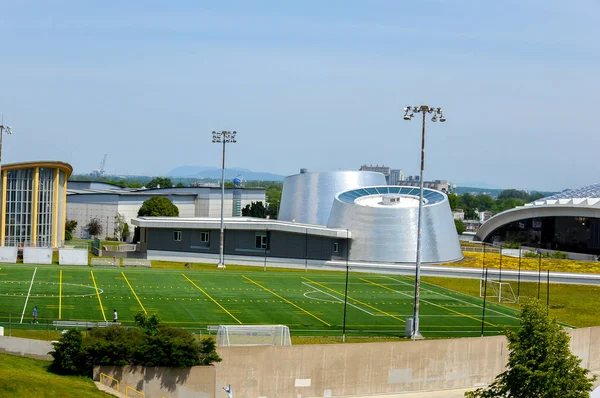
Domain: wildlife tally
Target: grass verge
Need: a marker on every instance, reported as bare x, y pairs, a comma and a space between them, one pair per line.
570, 304
26, 377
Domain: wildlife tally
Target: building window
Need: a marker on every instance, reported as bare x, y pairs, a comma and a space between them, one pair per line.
261, 241
177, 236
336, 247
204, 237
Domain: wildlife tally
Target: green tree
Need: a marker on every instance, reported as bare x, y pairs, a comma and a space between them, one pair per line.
513, 194
460, 226
484, 202
119, 226
540, 363
94, 227
126, 231
69, 354
148, 322
159, 182
255, 209
180, 185
158, 206
453, 200
70, 226
273, 195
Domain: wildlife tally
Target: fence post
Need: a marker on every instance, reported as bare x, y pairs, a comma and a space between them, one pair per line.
519, 275
548, 291
539, 275
484, 302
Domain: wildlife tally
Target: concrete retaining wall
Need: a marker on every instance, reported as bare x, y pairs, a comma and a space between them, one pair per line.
73, 256
338, 370
8, 255
37, 349
37, 255
196, 382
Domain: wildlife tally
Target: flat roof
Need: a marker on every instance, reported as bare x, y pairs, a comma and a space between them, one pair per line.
240, 223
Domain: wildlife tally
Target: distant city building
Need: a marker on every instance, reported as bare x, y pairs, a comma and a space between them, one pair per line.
472, 225
485, 215
396, 177
458, 214
439, 185
386, 171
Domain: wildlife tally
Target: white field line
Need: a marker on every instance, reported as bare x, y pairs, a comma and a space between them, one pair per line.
337, 298
28, 293
457, 299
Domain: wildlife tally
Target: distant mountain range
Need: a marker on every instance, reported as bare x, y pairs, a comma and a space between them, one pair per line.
215, 173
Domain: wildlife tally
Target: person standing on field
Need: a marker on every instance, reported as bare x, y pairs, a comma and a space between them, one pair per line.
34, 315
115, 317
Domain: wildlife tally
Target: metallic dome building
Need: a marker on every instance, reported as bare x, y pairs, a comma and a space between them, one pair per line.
307, 197
383, 221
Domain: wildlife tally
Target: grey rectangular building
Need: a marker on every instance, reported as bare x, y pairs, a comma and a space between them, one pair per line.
197, 239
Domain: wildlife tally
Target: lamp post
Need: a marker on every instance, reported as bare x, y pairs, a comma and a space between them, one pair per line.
7, 130
223, 137
409, 113
3, 129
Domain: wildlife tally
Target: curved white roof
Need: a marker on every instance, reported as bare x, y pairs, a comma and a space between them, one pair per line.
580, 202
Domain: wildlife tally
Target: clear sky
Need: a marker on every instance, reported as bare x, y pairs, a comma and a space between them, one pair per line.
315, 84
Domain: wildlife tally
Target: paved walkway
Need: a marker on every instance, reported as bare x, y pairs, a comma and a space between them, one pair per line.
423, 394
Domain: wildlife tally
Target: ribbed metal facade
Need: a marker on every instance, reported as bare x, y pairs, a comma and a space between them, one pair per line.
308, 197
388, 233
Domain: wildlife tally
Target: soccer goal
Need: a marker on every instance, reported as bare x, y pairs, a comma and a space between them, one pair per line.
495, 289
245, 335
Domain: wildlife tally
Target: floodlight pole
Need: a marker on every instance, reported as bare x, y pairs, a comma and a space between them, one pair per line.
424, 109
7, 130
223, 137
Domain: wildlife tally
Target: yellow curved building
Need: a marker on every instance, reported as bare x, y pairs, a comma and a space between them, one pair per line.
34, 198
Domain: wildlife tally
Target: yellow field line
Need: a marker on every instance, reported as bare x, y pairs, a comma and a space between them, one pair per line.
60, 294
133, 291
212, 299
429, 302
360, 302
98, 293
287, 301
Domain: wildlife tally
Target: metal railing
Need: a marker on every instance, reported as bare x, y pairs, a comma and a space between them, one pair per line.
113, 381
133, 390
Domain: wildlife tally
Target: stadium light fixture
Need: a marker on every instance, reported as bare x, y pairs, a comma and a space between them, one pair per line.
223, 137
424, 110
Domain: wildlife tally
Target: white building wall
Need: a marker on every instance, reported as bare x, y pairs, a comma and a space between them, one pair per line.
83, 213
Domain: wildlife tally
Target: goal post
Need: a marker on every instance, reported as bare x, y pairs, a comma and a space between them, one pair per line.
503, 291
248, 335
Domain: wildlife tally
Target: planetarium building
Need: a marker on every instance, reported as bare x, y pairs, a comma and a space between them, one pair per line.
33, 203
568, 221
324, 216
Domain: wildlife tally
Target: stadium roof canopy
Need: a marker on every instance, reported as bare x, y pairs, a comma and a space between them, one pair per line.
580, 202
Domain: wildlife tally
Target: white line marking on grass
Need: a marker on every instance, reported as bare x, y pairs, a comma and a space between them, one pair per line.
339, 299
28, 293
457, 299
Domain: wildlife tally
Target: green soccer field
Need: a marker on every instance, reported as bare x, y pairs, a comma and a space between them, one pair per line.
310, 304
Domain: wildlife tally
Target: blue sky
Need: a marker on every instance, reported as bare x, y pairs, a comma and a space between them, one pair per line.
310, 84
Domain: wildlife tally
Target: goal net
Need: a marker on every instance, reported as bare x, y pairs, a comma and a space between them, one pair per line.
245, 335
503, 291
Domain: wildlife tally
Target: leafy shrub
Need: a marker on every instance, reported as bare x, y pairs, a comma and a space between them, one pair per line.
152, 344
511, 245
69, 355
557, 255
